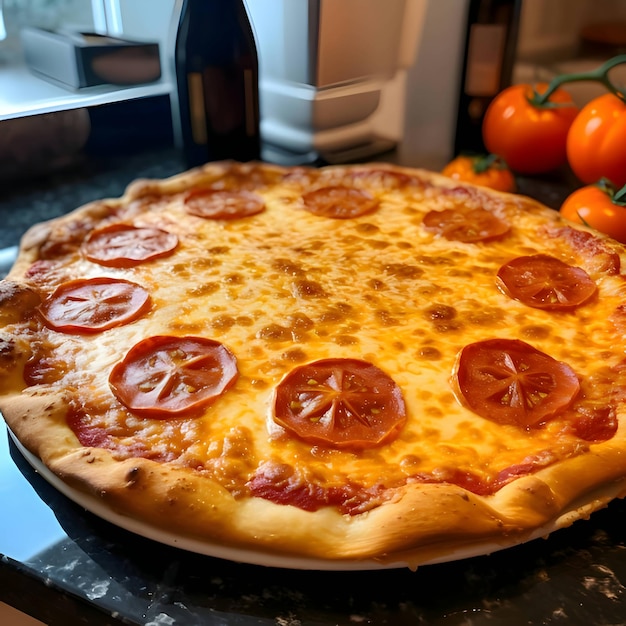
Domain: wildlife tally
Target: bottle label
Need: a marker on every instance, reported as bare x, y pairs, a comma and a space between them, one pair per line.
197, 111
250, 86
484, 63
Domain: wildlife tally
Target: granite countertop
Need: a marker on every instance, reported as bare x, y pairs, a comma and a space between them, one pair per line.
66, 566
26, 202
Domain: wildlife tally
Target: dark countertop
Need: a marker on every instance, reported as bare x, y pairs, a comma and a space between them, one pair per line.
25, 202
66, 566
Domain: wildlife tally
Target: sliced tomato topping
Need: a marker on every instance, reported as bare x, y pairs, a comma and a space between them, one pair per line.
544, 282
511, 382
94, 305
165, 376
381, 177
123, 245
466, 225
221, 204
344, 403
339, 202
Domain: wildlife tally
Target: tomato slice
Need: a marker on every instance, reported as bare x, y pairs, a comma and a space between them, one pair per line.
123, 245
544, 282
380, 177
465, 225
344, 403
511, 382
220, 204
94, 305
165, 376
339, 202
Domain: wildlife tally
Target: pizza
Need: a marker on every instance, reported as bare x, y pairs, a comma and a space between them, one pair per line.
347, 365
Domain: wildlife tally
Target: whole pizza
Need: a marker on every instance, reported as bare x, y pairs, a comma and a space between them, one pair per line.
359, 365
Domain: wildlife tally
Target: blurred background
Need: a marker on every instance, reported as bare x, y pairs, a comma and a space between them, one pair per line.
363, 77
339, 81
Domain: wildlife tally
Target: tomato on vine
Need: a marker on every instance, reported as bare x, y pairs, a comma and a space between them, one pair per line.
600, 207
537, 129
596, 142
487, 170
527, 126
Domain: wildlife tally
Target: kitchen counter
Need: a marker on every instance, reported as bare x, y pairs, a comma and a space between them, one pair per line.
65, 566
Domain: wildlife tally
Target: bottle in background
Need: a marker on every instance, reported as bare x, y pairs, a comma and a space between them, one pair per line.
216, 67
490, 45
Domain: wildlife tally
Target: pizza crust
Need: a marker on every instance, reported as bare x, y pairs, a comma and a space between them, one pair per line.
420, 521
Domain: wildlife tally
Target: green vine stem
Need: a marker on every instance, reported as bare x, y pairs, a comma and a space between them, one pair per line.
599, 75
481, 163
617, 196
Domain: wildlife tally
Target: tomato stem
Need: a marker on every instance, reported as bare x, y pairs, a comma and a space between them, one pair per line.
599, 75
482, 163
617, 196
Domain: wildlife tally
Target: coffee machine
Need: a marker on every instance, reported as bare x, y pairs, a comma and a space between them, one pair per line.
333, 75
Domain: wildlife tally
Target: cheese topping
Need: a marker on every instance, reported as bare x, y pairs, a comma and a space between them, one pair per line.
285, 285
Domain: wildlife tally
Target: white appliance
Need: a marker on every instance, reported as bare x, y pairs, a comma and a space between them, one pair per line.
333, 74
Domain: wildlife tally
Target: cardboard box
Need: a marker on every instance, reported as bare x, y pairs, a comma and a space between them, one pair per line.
78, 60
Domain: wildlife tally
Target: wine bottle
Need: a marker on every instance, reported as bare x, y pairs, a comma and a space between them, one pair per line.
489, 55
216, 66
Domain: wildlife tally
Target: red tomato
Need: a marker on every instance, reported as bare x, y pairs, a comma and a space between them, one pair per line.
345, 403
530, 138
596, 142
123, 245
469, 225
481, 170
167, 376
339, 202
94, 305
218, 204
594, 206
544, 282
510, 382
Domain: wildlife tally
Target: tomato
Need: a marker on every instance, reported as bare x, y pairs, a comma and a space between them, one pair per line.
487, 171
598, 207
466, 225
339, 202
94, 305
596, 142
166, 376
219, 204
544, 282
372, 177
510, 382
344, 403
530, 138
123, 245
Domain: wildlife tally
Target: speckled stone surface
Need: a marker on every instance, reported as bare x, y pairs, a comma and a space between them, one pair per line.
26, 202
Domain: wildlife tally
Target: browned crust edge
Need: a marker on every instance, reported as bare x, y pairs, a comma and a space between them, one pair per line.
423, 522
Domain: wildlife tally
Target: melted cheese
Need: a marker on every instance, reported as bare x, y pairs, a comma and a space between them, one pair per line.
286, 287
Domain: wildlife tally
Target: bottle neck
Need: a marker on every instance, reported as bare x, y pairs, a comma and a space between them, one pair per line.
219, 12
222, 24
